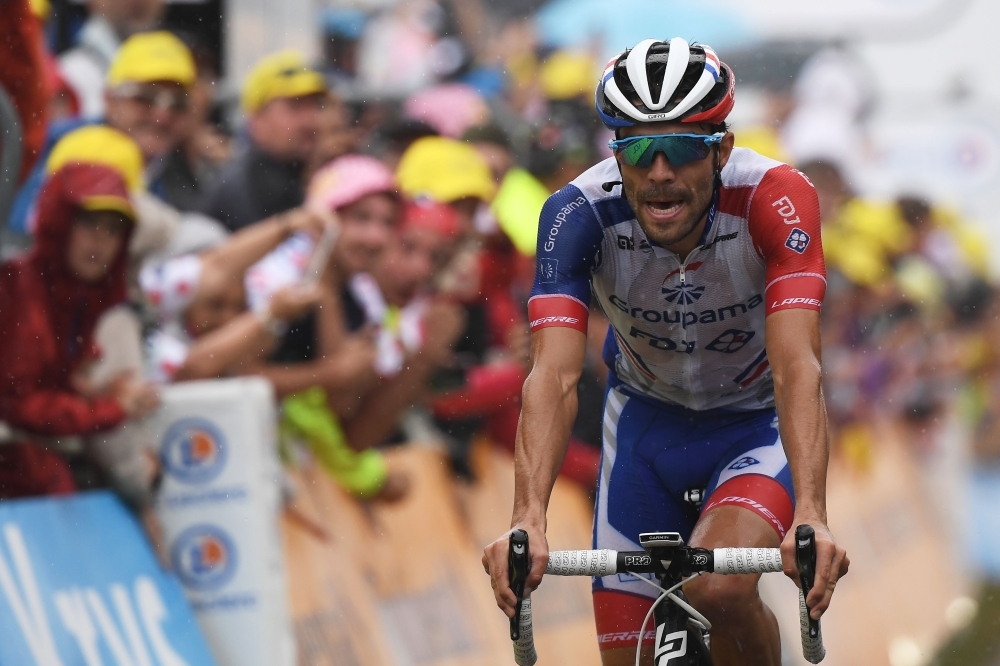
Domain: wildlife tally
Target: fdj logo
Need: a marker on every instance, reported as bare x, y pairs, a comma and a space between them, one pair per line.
744, 462
730, 341
669, 646
547, 270
194, 451
797, 241
204, 558
683, 294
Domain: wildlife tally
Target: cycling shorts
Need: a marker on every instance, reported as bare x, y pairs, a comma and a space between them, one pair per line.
653, 454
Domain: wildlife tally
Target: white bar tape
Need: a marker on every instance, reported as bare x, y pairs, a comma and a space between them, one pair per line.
524, 646
812, 648
582, 563
747, 560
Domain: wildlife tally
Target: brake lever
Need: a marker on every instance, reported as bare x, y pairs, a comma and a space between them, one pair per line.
518, 562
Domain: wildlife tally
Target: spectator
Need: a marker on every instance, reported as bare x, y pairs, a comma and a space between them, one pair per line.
449, 172
318, 349
147, 97
50, 302
282, 99
199, 302
85, 67
414, 330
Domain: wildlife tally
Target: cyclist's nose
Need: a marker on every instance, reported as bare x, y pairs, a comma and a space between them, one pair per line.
660, 170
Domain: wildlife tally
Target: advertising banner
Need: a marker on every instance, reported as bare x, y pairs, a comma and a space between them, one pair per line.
219, 505
79, 586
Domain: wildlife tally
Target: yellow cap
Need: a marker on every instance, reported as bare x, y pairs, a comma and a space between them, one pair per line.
282, 74
41, 9
566, 75
444, 170
99, 144
152, 56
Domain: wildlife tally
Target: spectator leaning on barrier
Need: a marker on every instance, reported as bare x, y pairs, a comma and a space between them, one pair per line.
111, 21
203, 329
282, 99
50, 302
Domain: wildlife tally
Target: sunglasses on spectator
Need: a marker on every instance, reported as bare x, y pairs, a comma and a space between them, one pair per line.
160, 99
679, 149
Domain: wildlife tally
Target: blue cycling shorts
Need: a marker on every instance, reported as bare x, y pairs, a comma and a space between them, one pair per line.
654, 453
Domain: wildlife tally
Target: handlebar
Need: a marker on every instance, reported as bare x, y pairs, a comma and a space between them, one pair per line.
685, 561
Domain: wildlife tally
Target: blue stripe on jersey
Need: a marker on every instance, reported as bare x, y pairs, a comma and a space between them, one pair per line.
569, 240
614, 210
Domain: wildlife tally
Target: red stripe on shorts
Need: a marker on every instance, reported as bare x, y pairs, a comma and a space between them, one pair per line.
619, 616
761, 494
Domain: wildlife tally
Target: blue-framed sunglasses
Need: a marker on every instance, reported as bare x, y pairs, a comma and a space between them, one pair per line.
679, 149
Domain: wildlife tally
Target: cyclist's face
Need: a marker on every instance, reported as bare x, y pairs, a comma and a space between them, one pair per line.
670, 202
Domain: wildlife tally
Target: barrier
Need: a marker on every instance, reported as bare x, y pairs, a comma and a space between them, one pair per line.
903, 573
79, 586
403, 584
219, 505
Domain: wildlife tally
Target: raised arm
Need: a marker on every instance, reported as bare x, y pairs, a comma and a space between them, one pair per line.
548, 408
247, 246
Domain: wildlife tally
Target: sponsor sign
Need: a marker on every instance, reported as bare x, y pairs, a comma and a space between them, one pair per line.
79, 586
219, 505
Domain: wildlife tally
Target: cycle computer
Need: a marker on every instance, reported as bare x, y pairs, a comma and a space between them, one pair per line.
650, 540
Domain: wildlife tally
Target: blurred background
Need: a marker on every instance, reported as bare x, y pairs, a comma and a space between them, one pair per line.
313, 435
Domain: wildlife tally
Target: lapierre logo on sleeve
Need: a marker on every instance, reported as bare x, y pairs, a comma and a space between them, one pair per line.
550, 242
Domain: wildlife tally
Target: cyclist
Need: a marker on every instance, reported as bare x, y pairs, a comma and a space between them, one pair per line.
707, 261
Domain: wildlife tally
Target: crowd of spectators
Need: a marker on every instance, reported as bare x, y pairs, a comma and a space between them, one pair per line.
369, 259
359, 231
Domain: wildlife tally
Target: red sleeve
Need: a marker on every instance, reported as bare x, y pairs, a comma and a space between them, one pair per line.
488, 388
785, 228
64, 413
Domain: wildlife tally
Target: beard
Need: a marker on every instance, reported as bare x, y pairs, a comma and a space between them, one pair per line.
667, 233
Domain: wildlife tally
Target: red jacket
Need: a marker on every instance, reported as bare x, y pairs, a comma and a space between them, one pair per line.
47, 316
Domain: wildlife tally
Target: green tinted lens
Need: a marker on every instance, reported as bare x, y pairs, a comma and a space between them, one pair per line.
682, 150
634, 153
678, 149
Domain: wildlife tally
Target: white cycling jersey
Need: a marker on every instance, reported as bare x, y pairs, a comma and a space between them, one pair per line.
689, 333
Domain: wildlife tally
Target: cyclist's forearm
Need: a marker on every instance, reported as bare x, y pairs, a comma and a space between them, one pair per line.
549, 405
798, 393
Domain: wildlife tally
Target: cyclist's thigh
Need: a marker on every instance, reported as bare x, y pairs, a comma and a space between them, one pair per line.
754, 475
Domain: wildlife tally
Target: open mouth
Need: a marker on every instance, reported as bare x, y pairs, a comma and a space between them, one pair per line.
664, 208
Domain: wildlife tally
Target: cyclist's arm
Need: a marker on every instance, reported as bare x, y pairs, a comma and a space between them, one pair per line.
569, 241
793, 349
785, 226
548, 409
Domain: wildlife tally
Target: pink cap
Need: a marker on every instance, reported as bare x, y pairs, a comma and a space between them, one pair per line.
348, 179
450, 108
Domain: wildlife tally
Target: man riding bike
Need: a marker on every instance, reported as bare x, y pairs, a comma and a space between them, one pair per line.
707, 261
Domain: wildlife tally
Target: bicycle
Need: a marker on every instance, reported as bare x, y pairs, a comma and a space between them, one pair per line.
682, 633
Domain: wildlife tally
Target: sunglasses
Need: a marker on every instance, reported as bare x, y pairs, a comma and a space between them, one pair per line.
679, 149
175, 101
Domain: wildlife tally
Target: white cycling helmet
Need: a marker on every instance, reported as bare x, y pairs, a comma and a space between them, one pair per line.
659, 81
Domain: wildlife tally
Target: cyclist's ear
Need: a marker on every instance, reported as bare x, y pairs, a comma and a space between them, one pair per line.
725, 149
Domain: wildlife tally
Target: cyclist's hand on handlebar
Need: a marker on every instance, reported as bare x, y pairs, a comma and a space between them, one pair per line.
495, 562
832, 564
